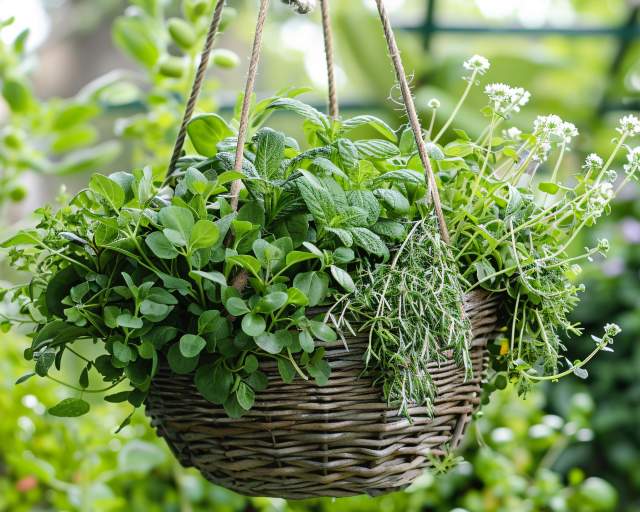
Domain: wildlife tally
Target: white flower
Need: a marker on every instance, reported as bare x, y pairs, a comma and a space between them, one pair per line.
612, 330
593, 162
603, 246
519, 98
629, 125
633, 157
547, 125
434, 103
477, 63
505, 99
512, 133
568, 132
599, 198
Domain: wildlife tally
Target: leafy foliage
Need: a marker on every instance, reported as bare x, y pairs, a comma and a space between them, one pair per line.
157, 272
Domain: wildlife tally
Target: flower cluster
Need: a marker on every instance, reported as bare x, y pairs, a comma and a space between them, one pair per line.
633, 159
505, 99
477, 64
599, 198
549, 130
593, 162
629, 126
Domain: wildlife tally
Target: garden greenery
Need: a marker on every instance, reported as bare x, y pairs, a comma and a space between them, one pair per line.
329, 238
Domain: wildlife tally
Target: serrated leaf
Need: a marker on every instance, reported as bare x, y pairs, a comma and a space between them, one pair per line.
393, 200
269, 153
370, 242
309, 113
376, 149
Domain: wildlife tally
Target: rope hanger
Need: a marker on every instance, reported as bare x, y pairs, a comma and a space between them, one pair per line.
304, 7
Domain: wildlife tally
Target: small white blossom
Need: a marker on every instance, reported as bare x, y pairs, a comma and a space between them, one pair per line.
477, 63
547, 125
599, 198
519, 98
505, 99
633, 157
612, 330
542, 152
568, 131
593, 162
629, 125
434, 103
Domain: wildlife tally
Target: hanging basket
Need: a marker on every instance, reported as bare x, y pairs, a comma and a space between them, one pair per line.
302, 441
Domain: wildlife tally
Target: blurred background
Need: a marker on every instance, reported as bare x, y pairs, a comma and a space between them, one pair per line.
100, 86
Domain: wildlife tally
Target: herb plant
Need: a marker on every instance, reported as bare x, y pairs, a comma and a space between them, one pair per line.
329, 239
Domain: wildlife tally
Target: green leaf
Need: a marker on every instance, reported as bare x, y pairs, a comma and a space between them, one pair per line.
549, 187
45, 360
366, 200
133, 35
247, 262
322, 331
347, 154
393, 200
370, 242
389, 229
161, 246
117, 398
153, 309
251, 364
175, 283
17, 95
272, 302
286, 370
372, 121
343, 255
191, 345
306, 341
245, 396
24, 237
122, 352
270, 343
320, 371
269, 153
182, 33
296, 297
318, 199
179, 223
299, 256
129, 321
70, 408
180, 364
376, 149
204, 235
206, 131
315, 285
196, 182
25, 378
343, 278
309, 113
402, 176
253, 325
214, 383
108, 189
237, 307
214, 277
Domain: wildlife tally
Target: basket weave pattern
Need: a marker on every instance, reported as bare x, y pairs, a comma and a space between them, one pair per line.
342, 439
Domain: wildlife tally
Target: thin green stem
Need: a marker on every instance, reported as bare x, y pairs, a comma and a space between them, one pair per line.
456, 109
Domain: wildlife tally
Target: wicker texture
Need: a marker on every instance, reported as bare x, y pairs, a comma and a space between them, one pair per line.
342, 439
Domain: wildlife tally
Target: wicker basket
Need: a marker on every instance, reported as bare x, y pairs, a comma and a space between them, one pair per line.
302, 441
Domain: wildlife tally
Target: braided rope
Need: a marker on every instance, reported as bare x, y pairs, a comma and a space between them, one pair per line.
246, 102
334, 111
197, 85
414, 121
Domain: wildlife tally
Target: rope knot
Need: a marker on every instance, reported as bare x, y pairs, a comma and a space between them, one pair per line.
301, 6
